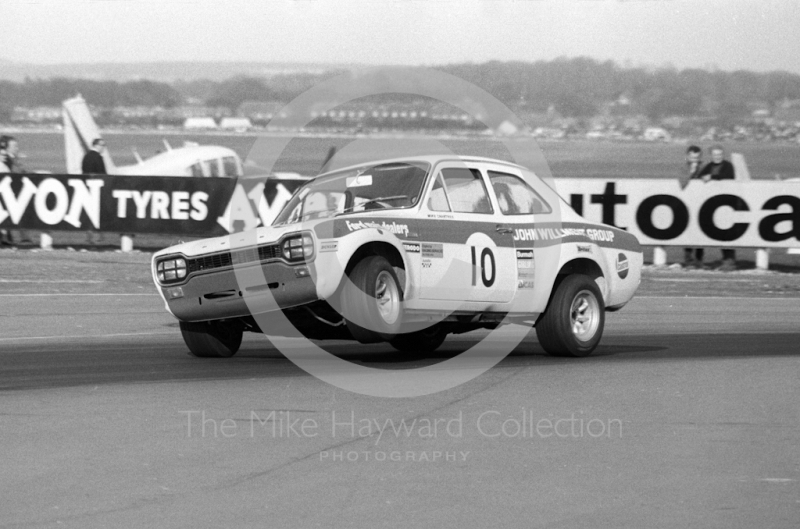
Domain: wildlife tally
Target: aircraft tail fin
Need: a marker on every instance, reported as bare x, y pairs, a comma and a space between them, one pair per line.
740, 170
79, 132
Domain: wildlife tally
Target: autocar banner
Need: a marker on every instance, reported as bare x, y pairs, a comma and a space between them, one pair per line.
141, 204
658, 212
728, 214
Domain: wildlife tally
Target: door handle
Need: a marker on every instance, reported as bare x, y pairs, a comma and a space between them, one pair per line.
502, 228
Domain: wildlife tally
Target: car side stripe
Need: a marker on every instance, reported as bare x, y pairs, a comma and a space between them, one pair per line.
458, 231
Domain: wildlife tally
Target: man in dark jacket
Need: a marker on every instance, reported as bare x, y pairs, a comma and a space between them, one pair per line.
93, 162
9, 151
721, 169
6, 166
693, 257
718, 168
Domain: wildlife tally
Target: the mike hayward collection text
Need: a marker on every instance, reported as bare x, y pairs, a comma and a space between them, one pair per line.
491, 424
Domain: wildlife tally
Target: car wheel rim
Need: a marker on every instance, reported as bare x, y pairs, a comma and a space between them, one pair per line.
585, 315
388, 297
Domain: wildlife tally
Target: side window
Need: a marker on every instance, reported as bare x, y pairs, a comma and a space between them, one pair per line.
438, 199
515, 196
465, 190
196, 169
229, 166
213, 167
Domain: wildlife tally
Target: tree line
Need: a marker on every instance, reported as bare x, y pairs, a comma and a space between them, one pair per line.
578, 87
581, 87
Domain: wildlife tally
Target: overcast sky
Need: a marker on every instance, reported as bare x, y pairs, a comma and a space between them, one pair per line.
750, 34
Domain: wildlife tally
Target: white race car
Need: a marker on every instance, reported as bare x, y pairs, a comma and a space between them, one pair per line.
406, 251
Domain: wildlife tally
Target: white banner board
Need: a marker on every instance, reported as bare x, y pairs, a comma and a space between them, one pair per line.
730, 214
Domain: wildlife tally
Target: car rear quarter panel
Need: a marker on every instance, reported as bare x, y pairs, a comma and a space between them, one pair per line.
623, 268
619, 261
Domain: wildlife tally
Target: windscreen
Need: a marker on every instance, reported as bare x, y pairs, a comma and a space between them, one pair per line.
384, 186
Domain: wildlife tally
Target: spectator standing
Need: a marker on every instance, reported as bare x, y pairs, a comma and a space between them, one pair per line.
9, 147
9, 163
693, 257
720, 169
93, 162
5, 235
4, 167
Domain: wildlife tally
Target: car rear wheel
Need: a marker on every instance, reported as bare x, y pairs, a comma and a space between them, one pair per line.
372, 301
424, 341
212, 339
573, 323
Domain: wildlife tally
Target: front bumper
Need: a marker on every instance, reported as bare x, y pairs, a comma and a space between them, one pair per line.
222, 294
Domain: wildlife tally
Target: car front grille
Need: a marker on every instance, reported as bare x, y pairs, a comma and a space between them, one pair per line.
226, 259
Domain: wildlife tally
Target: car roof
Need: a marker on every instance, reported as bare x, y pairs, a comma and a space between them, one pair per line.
430, 158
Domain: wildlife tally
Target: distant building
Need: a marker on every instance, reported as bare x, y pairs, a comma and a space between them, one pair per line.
199, 123
262, 110
235, 124
36, 114
188, 111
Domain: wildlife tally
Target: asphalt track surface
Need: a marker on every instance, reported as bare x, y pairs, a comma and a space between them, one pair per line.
686, 416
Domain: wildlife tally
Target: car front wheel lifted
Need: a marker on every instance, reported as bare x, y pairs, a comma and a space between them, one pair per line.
372, 301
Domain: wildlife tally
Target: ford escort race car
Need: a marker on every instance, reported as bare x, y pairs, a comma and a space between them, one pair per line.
406, 251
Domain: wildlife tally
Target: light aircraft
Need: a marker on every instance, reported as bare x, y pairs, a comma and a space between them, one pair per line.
192, 159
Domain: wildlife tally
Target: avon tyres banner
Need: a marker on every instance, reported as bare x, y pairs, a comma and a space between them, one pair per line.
140, 204
730, 214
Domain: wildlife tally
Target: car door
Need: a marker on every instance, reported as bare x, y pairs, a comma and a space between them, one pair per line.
519, 204
466, 251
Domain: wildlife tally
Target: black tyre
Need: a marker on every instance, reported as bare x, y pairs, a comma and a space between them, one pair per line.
572, 324
212, 339
420, 342
372, 301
